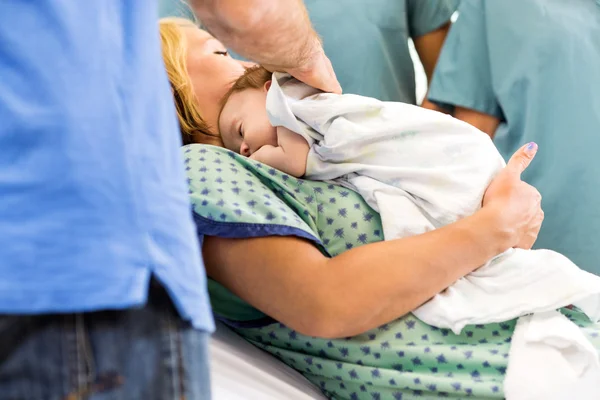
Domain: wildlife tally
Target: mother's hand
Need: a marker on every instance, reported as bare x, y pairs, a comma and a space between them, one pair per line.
516, 203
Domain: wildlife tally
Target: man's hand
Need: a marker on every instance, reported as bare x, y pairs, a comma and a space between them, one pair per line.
314, 68
317, 72
275, 33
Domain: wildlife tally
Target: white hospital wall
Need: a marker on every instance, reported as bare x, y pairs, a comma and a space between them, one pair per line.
420, 77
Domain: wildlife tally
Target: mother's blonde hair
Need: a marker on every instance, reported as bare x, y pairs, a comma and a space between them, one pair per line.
194, 128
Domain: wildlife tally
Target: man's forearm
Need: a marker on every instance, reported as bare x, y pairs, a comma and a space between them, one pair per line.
271, 32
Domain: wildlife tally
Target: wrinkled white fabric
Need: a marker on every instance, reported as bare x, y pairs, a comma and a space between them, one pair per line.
550, 343
440, 165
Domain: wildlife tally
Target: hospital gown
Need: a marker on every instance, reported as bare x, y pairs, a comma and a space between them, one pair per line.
234, 196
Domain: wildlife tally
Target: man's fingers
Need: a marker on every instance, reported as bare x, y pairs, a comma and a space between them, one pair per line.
319, 74
522, 158
323, 80
331, 83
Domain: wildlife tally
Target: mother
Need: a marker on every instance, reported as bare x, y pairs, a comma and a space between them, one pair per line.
297, 265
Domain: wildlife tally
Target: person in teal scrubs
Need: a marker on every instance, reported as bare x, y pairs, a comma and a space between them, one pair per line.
530, 72
175, 8
367, 41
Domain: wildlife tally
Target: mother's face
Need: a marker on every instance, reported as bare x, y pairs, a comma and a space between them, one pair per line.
212, 72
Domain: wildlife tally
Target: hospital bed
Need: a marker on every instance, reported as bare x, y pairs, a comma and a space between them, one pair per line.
240, 371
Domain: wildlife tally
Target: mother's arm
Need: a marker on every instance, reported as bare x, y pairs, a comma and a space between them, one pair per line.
290, 280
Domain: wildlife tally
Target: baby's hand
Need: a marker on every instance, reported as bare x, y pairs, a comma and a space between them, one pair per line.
275, 156
266, 154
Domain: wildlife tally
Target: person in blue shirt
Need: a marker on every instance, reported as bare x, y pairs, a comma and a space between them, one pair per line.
367, 41
102, 286
529, 71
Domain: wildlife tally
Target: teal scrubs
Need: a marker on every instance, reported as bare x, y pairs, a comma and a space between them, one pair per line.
174, 8
535, 65
367, 41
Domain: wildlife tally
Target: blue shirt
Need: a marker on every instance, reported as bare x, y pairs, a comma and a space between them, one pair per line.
93, 200
367, 41
535, 65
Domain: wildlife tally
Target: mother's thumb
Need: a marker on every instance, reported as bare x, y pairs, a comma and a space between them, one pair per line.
522, 158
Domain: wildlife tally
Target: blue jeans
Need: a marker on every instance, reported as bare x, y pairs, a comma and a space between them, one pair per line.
147, 353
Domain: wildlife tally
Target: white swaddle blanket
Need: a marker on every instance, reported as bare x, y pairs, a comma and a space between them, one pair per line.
421, 170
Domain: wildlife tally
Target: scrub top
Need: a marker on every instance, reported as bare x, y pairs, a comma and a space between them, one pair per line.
175, 8
535, 66
367, 41
93, 197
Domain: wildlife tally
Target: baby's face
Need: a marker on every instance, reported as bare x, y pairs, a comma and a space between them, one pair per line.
244, 125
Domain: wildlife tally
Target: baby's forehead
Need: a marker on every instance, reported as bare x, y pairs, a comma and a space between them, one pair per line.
232, 96
239, 101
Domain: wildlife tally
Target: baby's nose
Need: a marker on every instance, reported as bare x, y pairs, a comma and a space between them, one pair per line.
245, 150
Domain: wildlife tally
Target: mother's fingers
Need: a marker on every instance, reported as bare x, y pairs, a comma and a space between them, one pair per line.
522, 158
529, 238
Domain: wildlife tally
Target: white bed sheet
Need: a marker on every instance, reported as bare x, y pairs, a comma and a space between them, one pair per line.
241, 371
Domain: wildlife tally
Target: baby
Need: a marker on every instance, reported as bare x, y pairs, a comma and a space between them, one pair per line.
245, 128
432, 167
